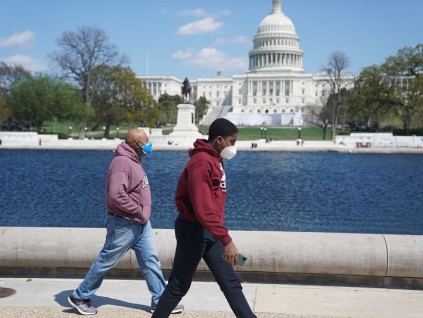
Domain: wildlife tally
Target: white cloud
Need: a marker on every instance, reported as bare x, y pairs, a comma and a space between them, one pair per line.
214, 59
19, 39
205, 25
182, 55
196, 13
27, 62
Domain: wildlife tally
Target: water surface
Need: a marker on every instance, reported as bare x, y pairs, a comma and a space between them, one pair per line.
269, 191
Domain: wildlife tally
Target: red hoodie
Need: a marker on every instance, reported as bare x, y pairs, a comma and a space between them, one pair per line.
201, 191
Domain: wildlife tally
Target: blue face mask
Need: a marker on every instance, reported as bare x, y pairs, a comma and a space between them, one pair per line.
147, 148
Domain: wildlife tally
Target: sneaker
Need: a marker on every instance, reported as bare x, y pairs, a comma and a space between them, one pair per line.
84, 307
178, 309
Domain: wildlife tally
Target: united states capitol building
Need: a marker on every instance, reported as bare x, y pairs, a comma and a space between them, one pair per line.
275, 91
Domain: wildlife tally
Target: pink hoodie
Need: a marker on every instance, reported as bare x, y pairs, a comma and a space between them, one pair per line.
127, 188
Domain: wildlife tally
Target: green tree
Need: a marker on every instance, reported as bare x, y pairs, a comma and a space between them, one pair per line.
8, 74
119, 97
38, 98
168, 108
81, 56
407, 68
373, 96
201, 107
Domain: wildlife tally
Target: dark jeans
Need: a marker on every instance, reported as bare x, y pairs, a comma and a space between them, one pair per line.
194, 243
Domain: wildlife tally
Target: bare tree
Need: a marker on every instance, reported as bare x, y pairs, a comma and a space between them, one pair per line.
8, 74
318, 116
81, 55
336, 72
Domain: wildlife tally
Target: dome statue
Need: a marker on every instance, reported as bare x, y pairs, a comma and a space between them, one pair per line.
276, 46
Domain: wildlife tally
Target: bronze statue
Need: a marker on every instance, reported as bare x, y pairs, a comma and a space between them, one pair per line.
186, 89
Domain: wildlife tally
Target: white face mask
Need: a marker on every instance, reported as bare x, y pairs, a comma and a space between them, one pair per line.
228, 152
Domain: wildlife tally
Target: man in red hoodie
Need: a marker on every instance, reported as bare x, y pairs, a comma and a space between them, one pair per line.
200, 231
128, 203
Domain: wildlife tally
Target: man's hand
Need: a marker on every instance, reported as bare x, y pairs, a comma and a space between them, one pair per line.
231, 253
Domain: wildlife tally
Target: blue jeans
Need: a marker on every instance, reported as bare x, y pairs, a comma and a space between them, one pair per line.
193, 243
123, 234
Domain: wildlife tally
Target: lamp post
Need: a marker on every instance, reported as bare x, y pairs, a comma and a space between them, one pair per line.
86, 128
69, 132
299, 132
261, 132
117, 132
104, 131
265, 136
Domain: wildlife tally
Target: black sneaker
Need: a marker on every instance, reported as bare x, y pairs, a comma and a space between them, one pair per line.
178, 309
84, 307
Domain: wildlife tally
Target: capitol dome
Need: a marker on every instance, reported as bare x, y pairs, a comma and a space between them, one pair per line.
276, 45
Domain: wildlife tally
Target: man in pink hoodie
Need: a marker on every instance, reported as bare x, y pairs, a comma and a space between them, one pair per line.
200, 226
128, 203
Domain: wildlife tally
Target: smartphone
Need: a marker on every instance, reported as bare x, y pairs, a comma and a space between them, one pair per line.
241, 260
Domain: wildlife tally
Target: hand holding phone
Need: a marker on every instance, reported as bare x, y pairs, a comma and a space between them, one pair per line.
241, 260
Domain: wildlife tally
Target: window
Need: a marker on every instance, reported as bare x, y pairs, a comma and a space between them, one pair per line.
287, 88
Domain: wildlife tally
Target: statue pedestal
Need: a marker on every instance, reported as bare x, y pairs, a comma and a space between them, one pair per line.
185, 124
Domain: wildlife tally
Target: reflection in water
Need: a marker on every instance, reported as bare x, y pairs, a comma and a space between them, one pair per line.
278, 191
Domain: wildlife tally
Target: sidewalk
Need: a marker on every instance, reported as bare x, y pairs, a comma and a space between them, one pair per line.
42, 297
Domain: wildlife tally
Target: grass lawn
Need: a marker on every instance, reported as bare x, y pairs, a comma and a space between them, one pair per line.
245, 133
279, 133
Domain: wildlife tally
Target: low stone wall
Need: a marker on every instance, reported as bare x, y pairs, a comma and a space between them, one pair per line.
385, 257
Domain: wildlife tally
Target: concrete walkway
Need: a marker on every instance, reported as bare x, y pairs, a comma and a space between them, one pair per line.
40, 297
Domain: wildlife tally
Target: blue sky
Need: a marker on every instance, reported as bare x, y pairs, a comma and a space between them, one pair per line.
196, 38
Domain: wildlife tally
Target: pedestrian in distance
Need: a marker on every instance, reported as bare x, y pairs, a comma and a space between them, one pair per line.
199, 227
128, 205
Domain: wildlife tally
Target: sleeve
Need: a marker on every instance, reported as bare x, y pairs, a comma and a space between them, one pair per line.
118, 194
204, 204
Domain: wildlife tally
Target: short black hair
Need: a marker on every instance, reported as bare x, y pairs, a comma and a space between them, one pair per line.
221, 127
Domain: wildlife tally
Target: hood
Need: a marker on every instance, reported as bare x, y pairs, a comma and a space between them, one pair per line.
201, 145
123, 149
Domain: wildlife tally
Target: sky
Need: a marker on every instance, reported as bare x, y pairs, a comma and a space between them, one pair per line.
197, 38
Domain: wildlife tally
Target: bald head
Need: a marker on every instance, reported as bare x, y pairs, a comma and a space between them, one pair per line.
136, 138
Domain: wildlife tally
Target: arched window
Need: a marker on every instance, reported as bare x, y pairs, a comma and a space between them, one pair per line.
258, 111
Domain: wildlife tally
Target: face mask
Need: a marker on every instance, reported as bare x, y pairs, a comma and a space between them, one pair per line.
228, 152
147, 148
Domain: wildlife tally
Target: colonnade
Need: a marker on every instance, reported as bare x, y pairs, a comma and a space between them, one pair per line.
276, 59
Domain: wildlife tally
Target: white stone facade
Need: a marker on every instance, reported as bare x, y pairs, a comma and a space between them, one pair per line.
274, 91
